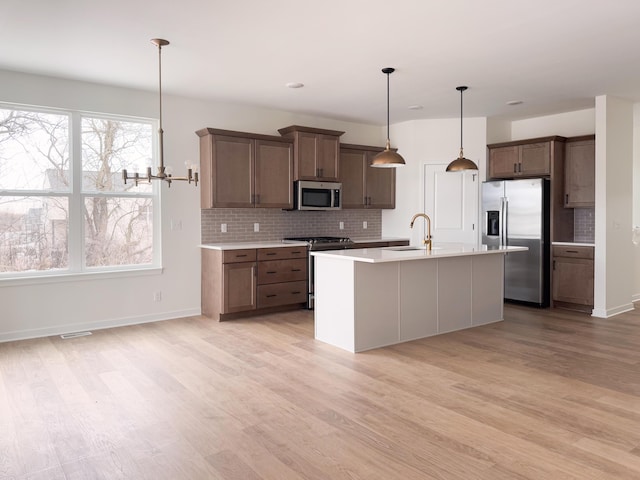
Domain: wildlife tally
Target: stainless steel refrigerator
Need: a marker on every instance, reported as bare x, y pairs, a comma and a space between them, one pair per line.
516, 213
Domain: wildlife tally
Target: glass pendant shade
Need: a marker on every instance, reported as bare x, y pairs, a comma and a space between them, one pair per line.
460, 164
387, 158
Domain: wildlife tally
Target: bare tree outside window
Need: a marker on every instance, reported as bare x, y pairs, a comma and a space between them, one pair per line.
37, 192
118, 230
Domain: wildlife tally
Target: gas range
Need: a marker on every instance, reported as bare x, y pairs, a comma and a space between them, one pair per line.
315, 244
323, 243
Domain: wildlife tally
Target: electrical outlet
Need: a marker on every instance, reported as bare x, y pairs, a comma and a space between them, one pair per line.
341, 225
157, 296
364, 225
256, 227
176, 225
223, 227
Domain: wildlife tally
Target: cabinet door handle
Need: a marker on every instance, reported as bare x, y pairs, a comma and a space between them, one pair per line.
520, 167
271, 253
271, 273
566, 199
297, 252
272, 295
296, 269
296, 292
515, 168
240, 256
554, 264
572, 251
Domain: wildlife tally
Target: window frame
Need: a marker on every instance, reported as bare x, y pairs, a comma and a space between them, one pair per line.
76, 267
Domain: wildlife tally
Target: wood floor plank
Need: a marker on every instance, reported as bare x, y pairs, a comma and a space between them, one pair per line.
546, 394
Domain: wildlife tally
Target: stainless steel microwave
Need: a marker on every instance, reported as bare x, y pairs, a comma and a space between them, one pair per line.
309, 195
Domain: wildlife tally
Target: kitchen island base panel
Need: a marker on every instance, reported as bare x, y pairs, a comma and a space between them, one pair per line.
361, 306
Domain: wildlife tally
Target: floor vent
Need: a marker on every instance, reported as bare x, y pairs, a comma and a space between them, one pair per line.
66, 336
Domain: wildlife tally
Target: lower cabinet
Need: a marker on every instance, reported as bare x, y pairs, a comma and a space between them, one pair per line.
247, 281
572, 281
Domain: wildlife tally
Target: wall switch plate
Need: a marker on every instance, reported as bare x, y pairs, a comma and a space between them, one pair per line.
176, 225
341, 225
157, 296
223, 227
256, 227
364, 225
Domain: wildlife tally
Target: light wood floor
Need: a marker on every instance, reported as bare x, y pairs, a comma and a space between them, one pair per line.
542, 395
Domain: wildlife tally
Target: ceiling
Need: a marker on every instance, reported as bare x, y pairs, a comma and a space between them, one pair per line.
553, 55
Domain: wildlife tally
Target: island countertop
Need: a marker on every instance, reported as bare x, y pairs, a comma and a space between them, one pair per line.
406, 253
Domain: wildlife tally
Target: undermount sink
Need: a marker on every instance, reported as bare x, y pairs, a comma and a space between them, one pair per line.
410, 247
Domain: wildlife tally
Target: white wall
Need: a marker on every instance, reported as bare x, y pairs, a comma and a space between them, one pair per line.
614, 274
423, 142
33, 308
569, 124
636, 196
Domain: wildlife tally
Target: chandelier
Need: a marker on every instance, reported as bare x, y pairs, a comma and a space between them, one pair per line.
162, 171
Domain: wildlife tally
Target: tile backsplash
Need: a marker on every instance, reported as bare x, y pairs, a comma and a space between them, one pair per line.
584, 225
275, 224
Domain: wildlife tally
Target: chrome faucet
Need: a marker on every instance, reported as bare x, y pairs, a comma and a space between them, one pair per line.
427, 237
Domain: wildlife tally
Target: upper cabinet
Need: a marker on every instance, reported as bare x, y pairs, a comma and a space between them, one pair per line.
364, 186
316, 152
523, 160
240, 169
580, 172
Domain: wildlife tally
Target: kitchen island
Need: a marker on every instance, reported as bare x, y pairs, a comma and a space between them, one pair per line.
373, 297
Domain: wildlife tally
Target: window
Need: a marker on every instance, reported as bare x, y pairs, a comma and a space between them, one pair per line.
64, 207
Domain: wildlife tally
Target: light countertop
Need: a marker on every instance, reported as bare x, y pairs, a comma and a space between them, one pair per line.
279, 243
248, 245
400, 254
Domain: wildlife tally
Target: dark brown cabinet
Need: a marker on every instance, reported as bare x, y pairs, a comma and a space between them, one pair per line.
249, 281
239, 170
364, 186
580, 172
315, 154
228, 281
572, 279
526, 160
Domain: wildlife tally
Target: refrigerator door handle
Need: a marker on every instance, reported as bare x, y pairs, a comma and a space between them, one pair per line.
505, 218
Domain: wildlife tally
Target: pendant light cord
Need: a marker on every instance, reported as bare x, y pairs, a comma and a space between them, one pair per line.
388, 136
461, 121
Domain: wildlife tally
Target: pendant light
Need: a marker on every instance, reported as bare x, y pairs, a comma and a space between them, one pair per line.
461, 163
387, 158
163, 174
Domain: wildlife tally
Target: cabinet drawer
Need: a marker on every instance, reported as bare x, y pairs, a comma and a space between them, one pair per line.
234, 256
277, 271
279, 253
282, 294
572, 252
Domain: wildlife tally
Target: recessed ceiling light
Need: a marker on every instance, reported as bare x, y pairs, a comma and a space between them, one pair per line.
294, 85
415, 107
514, 102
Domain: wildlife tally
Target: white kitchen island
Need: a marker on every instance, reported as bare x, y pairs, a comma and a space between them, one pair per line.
373, 297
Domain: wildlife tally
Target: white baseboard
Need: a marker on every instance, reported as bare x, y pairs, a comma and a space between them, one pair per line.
99, 325
610, 312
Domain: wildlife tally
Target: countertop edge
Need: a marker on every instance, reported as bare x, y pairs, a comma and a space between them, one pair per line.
250, 245
388, 254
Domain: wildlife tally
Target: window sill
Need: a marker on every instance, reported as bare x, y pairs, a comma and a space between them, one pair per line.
75, 276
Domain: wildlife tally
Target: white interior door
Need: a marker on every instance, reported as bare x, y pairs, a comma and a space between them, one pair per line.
451, 200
